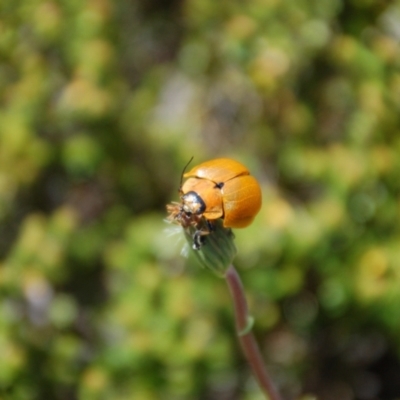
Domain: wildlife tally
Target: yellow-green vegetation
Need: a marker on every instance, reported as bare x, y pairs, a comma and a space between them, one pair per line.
103, 102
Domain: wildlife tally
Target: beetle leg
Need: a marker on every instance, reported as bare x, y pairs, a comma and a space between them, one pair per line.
199, 238
210, 226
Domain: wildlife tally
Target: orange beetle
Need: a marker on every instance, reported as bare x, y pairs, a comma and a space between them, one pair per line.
220, 188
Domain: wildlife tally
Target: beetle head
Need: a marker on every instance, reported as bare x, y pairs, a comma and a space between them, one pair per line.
192, 203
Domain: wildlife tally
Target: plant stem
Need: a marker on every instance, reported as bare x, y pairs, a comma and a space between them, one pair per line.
246, 337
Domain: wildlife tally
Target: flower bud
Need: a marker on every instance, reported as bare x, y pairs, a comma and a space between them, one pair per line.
217, 249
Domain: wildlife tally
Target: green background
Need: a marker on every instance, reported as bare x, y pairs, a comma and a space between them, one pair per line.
101, 105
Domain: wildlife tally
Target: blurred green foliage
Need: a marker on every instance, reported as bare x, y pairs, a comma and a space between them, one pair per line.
102, 103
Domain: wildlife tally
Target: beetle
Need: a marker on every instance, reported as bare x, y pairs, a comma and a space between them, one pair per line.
220, 188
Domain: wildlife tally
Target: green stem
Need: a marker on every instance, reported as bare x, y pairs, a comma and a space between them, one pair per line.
246, 337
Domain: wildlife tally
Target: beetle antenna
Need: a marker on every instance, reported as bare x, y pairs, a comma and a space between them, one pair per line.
183, 172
